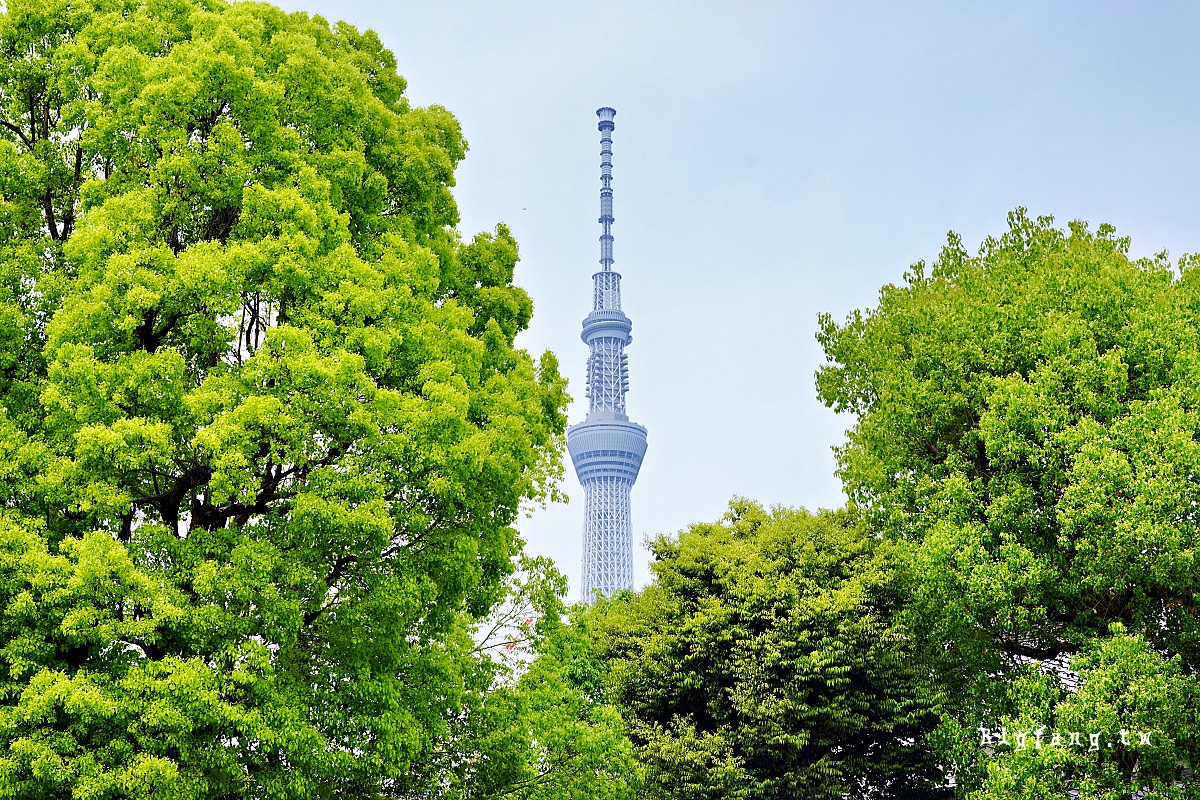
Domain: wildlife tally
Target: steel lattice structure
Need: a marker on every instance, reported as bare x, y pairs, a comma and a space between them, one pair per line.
607, 448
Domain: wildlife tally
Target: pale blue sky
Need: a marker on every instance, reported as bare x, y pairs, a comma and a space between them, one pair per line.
773, 160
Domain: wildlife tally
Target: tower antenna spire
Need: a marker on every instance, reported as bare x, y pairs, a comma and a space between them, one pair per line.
606, 448
606, 126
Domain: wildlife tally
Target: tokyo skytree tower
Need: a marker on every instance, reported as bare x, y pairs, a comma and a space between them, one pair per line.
606, 447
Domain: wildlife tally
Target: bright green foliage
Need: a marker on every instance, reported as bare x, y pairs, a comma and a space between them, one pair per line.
537, 726
1128, 690
552, 735
763, 663
1027, 422
263, 427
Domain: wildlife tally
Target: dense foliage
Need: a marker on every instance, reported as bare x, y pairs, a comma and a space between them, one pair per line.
264, 432
263, 427
1028, 426
537, 725
764, 662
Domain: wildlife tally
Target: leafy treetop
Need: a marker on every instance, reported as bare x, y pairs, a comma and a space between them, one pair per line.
764, 662
264, 429
1028, 423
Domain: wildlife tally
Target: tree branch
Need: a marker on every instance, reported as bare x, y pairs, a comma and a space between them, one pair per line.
17, 130
339, 569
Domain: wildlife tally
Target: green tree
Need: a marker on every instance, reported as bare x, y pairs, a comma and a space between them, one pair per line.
763, 662
1027, 426
263, 427
536, 725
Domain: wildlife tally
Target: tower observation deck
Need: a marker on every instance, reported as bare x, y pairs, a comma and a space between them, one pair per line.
607, 448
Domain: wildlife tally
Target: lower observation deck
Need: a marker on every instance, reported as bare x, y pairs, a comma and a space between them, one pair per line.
607, 448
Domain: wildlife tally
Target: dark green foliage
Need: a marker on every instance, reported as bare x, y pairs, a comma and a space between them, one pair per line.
763, 662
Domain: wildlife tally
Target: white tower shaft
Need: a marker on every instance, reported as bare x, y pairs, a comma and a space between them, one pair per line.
607, 448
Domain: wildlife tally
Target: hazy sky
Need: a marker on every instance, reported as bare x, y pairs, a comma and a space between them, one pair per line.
773, 160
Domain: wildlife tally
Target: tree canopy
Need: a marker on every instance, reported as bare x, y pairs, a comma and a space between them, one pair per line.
1027, 426
764, 662
264, 429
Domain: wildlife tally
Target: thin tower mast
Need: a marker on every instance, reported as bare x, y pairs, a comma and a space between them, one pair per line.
606, 448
